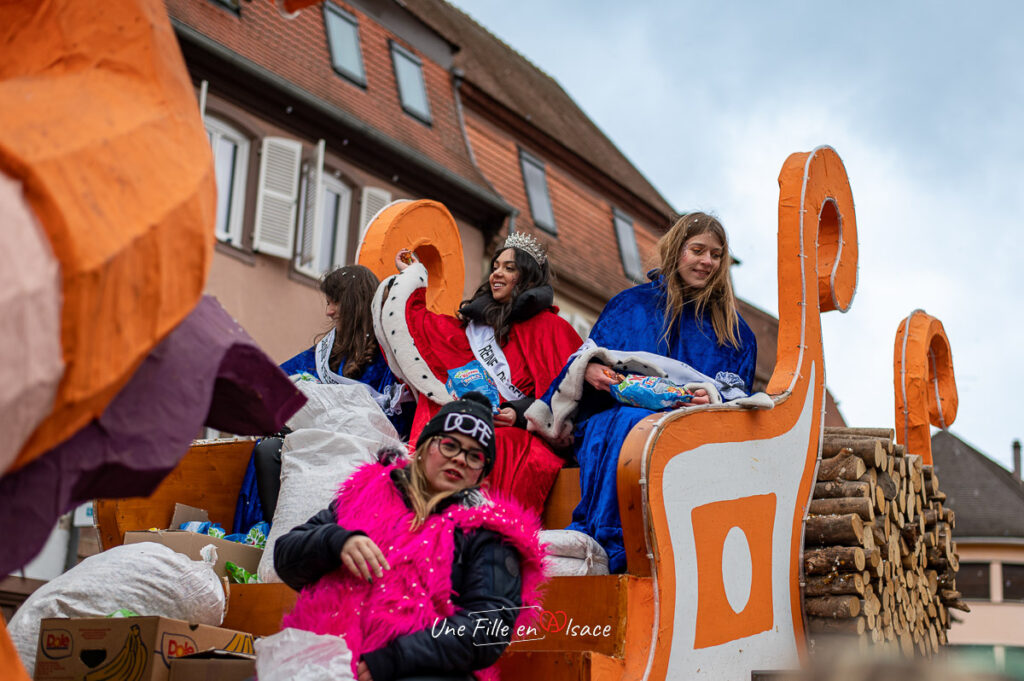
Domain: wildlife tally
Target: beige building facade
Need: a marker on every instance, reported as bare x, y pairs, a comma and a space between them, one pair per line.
988, 502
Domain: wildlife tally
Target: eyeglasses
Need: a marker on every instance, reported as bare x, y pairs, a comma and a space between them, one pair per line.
451, 448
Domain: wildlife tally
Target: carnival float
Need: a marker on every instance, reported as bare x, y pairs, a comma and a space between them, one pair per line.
751, 534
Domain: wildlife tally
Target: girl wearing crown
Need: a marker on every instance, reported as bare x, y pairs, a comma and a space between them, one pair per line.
507, 340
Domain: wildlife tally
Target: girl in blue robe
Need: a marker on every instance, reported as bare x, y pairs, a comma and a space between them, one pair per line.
682, 324
346, 354
349, 352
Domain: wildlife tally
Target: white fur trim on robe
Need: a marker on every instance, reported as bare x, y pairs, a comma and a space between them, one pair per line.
555, 421
394, 336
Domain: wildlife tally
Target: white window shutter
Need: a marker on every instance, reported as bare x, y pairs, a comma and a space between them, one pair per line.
204, 86
277, 197
312, 220
374, 200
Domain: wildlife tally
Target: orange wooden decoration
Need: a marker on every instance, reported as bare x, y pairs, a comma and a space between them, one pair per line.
11, 668
100, 123
812, 184
925, 385
428, 229
717, 621
817, 272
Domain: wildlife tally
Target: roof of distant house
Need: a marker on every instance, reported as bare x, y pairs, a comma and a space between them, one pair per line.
988, 501
508, 77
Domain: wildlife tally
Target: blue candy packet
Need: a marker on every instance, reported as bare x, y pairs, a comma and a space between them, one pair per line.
257, 536
650, 392
203, 527
215, 530
473, 376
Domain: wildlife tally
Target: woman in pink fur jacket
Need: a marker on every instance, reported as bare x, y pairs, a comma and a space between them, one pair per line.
422, 573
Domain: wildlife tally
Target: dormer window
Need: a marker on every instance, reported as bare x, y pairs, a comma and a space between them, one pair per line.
343, 41
628, 250
412, 92
536, 181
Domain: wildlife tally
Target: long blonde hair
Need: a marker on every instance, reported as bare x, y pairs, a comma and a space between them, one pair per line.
716, 296
422, 501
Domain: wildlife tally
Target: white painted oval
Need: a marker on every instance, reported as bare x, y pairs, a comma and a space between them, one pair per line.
737, 569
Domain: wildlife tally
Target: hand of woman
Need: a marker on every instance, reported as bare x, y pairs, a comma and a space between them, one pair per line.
404, 258
505, 417
564, 441
362, 558
363, 672
700, 396
601, 377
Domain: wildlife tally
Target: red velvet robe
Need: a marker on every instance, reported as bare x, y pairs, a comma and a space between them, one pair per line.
537, 348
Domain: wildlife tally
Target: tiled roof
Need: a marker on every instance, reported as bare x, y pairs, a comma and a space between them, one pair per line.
987, 500
508, 77
296, 50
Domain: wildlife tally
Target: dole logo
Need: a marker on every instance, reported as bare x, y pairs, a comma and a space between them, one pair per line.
57, 643
177, 648
176, 645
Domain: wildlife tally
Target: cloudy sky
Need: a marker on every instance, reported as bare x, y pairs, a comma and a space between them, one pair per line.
922, 100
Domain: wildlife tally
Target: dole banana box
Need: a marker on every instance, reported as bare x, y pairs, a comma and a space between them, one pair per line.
124, 648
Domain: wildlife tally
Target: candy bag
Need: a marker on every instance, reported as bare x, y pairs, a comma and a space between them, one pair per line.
650, 392
473, 376
203, 527
215, 530
239, 575
123, 612
257, 536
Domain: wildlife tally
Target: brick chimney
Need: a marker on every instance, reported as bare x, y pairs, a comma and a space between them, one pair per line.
1016, 460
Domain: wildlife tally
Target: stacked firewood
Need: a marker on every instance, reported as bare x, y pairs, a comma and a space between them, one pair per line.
880, 562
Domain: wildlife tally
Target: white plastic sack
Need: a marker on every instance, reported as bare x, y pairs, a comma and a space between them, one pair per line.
297, 655
341, 408
573, 554
316, 460
147, 578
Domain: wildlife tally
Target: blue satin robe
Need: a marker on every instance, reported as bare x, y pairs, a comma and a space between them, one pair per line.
633, 321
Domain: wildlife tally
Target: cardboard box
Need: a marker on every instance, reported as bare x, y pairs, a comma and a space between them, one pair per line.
124, 648
213, 665
191, 543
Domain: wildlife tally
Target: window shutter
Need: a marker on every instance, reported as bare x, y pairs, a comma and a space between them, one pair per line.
312, 220
374, 201
277, 197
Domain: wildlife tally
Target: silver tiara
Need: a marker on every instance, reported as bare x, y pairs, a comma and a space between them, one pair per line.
528, 244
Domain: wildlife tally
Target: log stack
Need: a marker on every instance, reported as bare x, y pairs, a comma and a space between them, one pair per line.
880, 562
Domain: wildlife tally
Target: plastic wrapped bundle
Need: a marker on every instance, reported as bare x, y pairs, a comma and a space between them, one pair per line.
339, 429
572, 554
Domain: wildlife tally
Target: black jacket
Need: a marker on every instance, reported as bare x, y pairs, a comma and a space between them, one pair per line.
485, 579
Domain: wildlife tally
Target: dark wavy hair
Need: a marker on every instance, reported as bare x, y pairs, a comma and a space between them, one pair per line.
351, 289
484, 308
